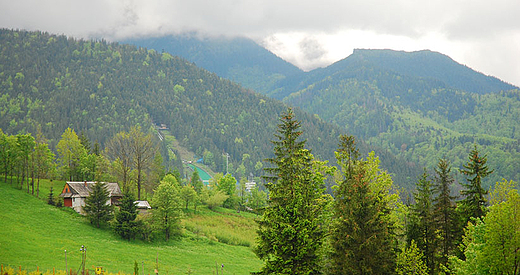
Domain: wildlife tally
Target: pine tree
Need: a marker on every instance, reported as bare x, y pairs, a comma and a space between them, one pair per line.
474, 201
291, 230
424, 223
444, 209
361, 235
50, 200
96, 208
125, 224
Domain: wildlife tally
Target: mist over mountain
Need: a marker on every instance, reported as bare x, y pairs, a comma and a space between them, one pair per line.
238, 59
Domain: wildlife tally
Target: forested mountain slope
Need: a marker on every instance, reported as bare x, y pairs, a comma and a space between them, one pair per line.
406, 103
103, 88
238, 59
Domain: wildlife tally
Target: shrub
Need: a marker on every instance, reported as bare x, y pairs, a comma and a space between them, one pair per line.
216, 200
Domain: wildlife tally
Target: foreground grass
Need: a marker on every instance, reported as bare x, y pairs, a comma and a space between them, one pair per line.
34, 234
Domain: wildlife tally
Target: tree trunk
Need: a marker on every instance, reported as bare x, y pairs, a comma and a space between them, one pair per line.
32, 182
138, 181
23, 177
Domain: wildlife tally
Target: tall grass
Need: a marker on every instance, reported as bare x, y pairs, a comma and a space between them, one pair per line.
226, 226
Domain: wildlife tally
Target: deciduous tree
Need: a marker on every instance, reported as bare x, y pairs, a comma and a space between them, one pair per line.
166, 205
43, 158
228, 186
492, 244
118, 150
409, 262
25, 148
143, 151
188, 195
196, 182
70, 151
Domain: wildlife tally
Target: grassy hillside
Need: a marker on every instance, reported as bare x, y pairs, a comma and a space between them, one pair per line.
36, 234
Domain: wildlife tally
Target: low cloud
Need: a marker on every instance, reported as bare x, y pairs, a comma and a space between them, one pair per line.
473, 24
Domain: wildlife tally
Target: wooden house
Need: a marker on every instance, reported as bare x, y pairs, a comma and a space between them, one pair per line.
75, 192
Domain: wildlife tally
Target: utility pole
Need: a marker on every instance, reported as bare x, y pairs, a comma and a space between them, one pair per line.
66, 266
157, 264
83, 258
227, 161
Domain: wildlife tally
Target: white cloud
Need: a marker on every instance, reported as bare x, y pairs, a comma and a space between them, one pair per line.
479, 33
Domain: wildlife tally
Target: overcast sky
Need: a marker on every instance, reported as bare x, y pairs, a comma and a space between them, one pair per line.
482, 34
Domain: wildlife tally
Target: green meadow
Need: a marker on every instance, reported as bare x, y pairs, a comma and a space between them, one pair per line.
35, 235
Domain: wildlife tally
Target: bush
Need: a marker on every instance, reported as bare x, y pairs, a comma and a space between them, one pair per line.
143, 227
216, 200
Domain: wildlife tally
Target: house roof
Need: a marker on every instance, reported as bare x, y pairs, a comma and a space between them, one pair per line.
83, 189
142, 204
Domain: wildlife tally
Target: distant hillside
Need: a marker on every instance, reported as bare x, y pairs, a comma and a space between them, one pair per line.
409, 104
103, 88
238, 59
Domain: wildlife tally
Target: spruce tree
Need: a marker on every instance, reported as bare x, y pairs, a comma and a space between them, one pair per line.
424, 223
125, 224
361, 235
50, 200
474, 201
444, 209
96, 208
291, 230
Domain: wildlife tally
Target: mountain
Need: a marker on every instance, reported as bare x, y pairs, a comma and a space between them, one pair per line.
239, 59
101, 88
425, 65
433, 65
421, 106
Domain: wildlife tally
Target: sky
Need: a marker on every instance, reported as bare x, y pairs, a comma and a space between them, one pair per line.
482, 34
